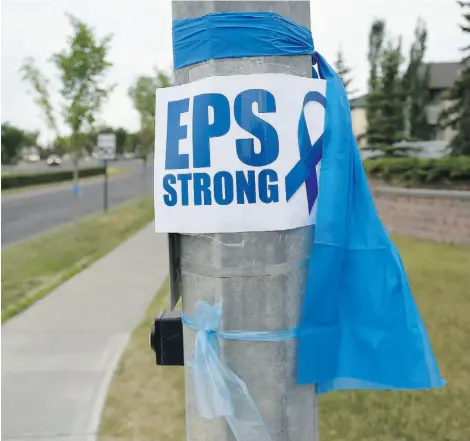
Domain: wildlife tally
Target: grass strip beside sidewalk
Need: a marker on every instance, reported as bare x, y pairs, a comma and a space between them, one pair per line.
146, 402
31, 269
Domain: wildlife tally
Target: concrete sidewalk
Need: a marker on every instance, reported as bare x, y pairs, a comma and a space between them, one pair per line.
58, 357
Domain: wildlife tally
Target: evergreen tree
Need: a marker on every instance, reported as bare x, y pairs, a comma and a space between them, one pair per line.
344, 72
373, 99
385, 98
392, 98
416, 84
457, 116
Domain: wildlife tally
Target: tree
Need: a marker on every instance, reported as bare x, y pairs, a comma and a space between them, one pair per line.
142, 94
121, 138
132, 143
416, 85
85, 141
386, 95
392, 97
61, 145
457, 116
82, 68
40, 86
344, 72
373, 98
14, 140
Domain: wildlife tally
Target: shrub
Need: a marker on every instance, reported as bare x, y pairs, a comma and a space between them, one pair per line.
445, 172
25, 179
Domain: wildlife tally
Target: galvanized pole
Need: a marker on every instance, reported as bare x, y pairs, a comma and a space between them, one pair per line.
259, 277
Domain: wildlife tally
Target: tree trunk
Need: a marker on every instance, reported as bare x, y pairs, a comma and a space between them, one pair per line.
76, 180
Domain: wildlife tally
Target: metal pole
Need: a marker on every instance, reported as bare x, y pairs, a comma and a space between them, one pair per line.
105, 199
260, 277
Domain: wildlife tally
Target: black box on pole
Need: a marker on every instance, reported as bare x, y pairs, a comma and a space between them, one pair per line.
166, 339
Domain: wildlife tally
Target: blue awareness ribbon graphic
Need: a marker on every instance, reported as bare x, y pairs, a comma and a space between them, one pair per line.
310, 156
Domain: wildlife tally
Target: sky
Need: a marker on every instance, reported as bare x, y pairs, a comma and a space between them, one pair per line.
142, 40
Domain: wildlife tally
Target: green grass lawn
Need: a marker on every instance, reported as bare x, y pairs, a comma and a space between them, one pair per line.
31, 269
146, 402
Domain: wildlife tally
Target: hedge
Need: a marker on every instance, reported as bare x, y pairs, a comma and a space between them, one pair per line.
26, 179
446, 172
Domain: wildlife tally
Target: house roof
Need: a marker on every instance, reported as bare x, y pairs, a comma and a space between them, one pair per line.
358, 102
443, 75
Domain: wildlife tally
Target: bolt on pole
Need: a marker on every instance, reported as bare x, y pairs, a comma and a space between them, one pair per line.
259, 277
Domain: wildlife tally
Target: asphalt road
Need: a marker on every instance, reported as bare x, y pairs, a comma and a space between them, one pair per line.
41, 166
28, 213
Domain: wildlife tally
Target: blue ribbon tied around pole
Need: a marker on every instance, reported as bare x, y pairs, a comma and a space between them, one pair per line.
310, 155
219, 392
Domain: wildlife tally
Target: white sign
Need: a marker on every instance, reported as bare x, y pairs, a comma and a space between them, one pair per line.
238, 153
106, 149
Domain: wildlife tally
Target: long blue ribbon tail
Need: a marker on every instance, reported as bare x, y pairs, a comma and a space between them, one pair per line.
219, 392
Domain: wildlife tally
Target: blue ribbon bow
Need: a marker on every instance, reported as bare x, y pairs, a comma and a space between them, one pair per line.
219, 392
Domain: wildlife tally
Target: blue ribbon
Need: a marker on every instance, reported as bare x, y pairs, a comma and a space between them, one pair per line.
237, 34
360, 327
219, 392
76, 189
310, 156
